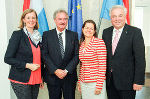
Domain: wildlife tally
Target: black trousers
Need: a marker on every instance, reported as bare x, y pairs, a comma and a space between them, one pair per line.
25, 91
113, 93
65, 88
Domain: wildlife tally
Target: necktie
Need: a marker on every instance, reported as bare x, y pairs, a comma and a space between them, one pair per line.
61, 44
115, 41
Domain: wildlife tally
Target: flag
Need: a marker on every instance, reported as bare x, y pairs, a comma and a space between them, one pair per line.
107, 4
126, 4
75, 21
37, 5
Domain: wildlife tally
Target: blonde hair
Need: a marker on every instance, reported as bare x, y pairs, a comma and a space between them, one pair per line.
22, 24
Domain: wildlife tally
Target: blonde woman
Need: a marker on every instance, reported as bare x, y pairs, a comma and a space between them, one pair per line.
24, 55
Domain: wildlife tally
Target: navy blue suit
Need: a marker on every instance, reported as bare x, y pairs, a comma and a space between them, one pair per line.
128, 62
53, 61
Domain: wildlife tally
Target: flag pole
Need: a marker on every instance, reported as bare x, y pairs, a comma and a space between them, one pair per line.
99, 25
100, 20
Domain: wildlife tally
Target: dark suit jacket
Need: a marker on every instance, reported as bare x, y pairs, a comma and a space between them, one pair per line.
128, 61
19, 53
52, 56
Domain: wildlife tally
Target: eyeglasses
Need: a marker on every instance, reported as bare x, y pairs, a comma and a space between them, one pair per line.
88, 28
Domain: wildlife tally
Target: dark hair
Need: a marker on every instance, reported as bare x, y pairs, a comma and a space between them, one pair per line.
82, 35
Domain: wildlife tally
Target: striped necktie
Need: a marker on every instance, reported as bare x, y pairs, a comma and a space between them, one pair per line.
61, 44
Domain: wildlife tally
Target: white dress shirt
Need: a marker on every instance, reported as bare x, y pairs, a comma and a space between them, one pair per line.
64, 40
114, 33
63, 36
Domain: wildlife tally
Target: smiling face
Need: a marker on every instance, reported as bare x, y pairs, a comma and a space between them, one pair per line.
118, 18
61, 21
30, 20
88, 30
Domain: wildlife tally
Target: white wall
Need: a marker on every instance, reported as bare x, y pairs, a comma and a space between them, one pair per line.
145, 6
4, 69
146, 32
10, 17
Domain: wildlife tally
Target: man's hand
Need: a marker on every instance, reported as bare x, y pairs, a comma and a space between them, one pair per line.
137, 87
60, 73
65, 73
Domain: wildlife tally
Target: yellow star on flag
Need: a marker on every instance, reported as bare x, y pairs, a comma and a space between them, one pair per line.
79, 6
72, 11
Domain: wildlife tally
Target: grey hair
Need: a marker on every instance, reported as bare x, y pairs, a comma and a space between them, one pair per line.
59, 11
118, 6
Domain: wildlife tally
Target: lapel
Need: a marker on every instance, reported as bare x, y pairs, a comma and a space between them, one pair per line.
26, 40
55, 41
122, 39
110, 39
67, 42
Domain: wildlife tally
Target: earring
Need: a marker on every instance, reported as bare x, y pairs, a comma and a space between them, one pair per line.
24, 24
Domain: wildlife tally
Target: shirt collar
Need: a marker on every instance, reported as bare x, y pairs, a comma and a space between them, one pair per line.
63, 32
120, 30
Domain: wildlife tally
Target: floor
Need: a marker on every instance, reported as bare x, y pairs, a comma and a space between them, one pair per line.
143, 94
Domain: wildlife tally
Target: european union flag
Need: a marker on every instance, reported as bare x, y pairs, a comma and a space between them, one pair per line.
75, 16
107, 4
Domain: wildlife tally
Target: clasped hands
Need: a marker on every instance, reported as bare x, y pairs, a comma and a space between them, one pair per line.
32, 67
60, 73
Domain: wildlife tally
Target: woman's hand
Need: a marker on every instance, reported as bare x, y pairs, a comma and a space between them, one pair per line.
42, 85
32, 67
97, 91
79, 88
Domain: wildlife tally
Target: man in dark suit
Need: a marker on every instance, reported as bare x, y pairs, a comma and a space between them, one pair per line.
125, 57
60, 53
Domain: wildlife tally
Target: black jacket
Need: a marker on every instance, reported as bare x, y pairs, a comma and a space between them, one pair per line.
128, 61
19, 53
52, 55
